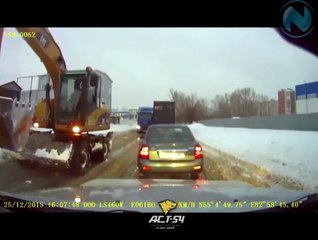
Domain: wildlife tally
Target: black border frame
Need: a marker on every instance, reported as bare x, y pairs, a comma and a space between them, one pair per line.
223, 14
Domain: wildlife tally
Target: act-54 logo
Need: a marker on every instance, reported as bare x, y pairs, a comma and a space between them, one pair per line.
166, 221
297, 18
167, 205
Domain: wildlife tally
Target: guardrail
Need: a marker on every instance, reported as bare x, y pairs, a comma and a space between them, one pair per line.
301, 122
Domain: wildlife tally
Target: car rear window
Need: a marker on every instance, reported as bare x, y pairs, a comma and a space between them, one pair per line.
169, 134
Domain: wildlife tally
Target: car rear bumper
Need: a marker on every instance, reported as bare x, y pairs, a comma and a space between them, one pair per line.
170, 166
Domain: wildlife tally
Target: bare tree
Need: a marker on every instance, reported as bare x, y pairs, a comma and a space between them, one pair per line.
222, 106
243, 102
263, 105
188, 107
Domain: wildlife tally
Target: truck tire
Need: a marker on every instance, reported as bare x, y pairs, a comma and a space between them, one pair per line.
81, 161
101, 155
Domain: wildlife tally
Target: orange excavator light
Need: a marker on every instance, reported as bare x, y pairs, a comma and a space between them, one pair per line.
76, 129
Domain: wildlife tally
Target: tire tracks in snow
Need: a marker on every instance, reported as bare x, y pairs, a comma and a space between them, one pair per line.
223, 166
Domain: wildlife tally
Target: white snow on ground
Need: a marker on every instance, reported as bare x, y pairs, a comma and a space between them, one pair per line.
53, 154
124, 125
41, 129
284, 152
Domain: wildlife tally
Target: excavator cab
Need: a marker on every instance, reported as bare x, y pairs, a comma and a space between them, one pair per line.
71, 97
79, 103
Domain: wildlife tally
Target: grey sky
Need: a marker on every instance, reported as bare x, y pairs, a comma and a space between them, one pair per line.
145, 63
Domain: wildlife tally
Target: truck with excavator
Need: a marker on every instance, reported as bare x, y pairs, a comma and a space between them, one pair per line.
76, 119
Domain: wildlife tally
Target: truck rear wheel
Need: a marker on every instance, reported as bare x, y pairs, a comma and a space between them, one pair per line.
102, 154
81, 162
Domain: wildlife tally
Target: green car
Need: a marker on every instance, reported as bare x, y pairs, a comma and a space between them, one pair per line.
170, 148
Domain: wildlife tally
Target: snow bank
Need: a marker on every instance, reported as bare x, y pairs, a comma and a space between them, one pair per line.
283, 152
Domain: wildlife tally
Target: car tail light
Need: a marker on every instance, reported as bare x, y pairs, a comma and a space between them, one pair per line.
144, 152
198, 152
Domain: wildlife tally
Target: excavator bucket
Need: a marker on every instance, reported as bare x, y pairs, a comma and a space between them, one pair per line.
28, 147
15, 123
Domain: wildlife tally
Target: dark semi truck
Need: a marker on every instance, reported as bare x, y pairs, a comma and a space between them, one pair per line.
163, 112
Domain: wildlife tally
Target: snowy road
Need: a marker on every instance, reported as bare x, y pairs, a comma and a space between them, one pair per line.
261, 157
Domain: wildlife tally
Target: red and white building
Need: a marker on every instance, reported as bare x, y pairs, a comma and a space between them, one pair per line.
286, 101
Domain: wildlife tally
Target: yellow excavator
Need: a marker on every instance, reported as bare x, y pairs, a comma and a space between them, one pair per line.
75, 117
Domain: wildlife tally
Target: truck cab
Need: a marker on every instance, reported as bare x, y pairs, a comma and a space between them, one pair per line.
144, 118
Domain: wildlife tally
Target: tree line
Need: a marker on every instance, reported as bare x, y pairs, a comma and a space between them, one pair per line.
243, 102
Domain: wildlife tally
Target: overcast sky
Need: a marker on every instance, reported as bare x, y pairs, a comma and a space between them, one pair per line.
144, 63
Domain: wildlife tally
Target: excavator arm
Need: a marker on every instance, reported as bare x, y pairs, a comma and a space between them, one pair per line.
43, 44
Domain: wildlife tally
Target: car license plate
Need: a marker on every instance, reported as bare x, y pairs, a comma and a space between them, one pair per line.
171, 155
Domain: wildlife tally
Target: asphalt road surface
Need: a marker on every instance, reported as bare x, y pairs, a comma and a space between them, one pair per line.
122, 164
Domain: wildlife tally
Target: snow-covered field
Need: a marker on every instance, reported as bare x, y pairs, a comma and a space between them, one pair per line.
282, 152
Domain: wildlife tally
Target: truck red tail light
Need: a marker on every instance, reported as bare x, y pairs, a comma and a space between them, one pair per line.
144, 152
198, 152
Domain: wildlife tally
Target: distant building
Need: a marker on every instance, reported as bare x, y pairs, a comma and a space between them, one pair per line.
11, 90
286, 101
307, 98
133, 113
273, 107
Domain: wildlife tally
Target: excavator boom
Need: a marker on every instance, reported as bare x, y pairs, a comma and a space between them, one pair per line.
44, 45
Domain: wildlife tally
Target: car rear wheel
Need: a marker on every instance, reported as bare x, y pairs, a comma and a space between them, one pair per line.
142, 174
